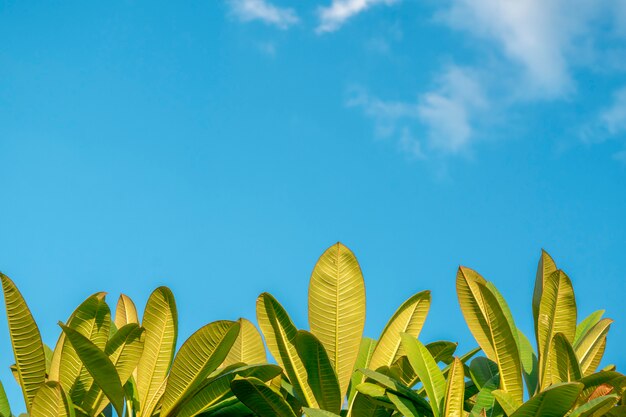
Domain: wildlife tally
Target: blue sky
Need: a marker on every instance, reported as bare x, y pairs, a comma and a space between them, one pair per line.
219, 148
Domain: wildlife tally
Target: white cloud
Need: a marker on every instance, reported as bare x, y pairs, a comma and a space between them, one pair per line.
339, 11
540, 36
444, 115
614, 118
262, 10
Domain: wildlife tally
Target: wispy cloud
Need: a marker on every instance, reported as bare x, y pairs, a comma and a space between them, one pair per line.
439, 121
537, 35
334, 16
264, 11
614, 117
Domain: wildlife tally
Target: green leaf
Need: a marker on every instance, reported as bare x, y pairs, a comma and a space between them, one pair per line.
200, 355
321, 376
409, 318
260, 398
404, 405
280, 337
160, 320
529, 361
313, 412
5, 409
397, 387
99, 366
125, 312
30, 359
485, 400
362, 361
455, 391
590, 347
471, 302
482, 370
546, 267
596, 407
124, 349
504, 345
506, 401
427, 370
584, 326
92, 319
557, 314
217, 388
555, 401
50, 401
248, 348
337, 309
563, 366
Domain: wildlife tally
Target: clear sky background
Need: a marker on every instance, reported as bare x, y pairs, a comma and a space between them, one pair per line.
220, 147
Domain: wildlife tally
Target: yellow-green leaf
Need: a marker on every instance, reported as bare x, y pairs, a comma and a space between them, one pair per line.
409, 319
563, 366
467, 287
590, 347
50, 401
362, 361
248, 348
99, 366
30, 359
506, 401
91, 319
280, 336
455, 391
160, 321
200, 355
216, 389
504, 343
545, 268
5, 409
427, 370
557, 314
337, 308
555, 401
260, 398
125, 312
322, 377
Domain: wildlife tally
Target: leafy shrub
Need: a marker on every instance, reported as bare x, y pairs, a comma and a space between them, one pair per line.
103, 364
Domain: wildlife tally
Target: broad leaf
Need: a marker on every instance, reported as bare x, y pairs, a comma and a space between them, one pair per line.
321, 375
427, 370
504, 344
91, 319
160, 320
337, 309
455, 391
555, 401
362, 361
409, 318
216, 389
51, 401
30, 359
99, 366
260, 398
248, 348
5, 409
545, 268
125, 312
470, 300
280, 336
200, 355
557, 314
563, 366
590, 347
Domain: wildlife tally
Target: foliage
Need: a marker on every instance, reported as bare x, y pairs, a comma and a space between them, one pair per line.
105, 364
